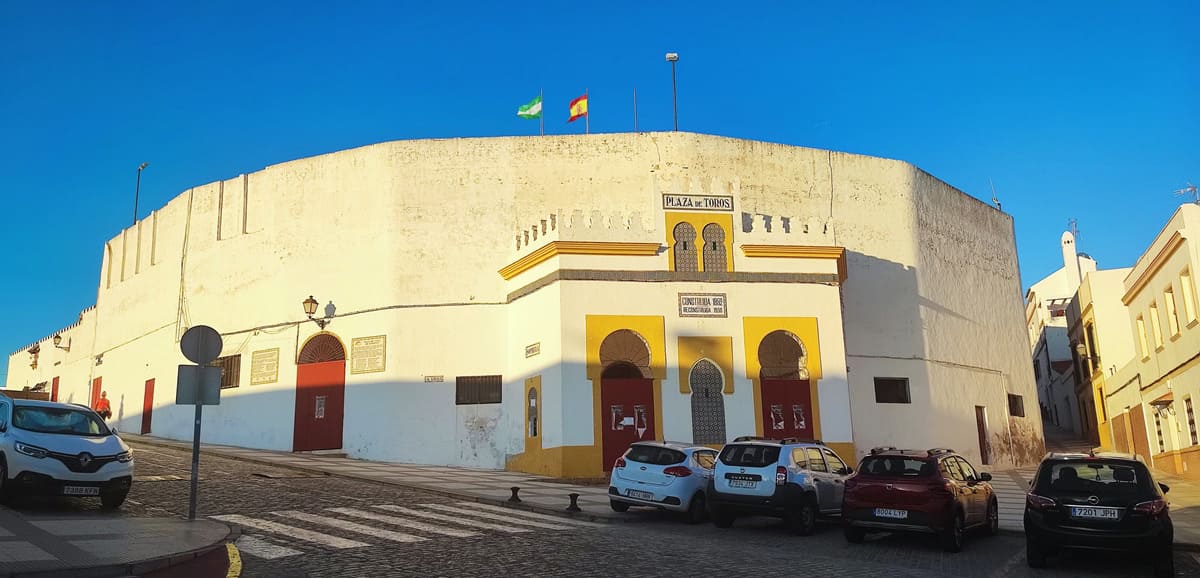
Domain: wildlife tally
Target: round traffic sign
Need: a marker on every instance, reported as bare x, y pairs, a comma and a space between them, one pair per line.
201, 344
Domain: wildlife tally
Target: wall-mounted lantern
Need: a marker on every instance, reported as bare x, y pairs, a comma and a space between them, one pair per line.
33, 355
58, 340
310, 309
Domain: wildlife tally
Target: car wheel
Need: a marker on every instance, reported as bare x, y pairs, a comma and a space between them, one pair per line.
804, 520
1035, 555
722, 518
993, 518
697, 511
855, 535
1164, 565
618, 506
952, 537
113, 500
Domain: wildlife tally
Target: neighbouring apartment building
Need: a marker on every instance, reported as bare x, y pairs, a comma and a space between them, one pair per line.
1046, 304
539, 303
1151, 400
1100, 339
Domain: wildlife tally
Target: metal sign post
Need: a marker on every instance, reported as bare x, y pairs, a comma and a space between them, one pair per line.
199, 385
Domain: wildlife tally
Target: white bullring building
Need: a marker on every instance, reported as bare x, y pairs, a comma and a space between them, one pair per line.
538, 303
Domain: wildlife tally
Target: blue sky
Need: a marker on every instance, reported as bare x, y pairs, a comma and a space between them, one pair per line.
1073, 109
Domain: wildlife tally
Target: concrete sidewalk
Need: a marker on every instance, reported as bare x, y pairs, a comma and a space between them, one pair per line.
537, 493
100, 545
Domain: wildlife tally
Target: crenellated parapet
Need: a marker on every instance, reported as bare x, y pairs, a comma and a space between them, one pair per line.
590, 226
785, 230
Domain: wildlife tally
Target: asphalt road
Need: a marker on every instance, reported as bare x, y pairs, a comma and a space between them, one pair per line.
298, 524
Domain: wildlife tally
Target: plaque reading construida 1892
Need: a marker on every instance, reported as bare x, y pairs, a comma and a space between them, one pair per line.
367, 354
702, 305
264, 366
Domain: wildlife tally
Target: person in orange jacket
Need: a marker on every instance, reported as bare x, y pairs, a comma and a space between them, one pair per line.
102, 406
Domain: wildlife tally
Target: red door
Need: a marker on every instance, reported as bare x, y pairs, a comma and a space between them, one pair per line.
96, 391
147, 406
627, 408
786, 409
320, 401
54, 390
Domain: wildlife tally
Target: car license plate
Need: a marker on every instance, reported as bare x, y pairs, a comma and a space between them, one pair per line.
80, 491
640, 495
1095, 513
890, 513
742, 483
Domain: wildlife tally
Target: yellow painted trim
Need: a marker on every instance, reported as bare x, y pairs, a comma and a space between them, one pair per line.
652, 328
698, 221
718, 349
235, 561
555, 248
534, 383
846, 451
800, 252
805, 328
1160, 259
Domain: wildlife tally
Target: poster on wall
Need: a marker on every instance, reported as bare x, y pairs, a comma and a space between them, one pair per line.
367, 354
264, 366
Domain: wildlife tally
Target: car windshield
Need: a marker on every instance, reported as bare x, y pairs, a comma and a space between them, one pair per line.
1095, 477
751, 455
58, 420
897, 466
658, 456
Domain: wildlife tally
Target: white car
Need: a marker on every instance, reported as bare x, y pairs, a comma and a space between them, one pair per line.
61, 449
666, 475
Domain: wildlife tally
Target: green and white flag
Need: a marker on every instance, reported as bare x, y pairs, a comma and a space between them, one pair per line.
531, 110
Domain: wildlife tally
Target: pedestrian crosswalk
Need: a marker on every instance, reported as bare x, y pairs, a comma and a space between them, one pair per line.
286, 533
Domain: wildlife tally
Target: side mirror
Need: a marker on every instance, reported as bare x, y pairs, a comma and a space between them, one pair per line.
985, 477
846, 471
1165, 488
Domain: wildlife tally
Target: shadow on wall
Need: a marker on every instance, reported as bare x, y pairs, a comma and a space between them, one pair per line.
883, 319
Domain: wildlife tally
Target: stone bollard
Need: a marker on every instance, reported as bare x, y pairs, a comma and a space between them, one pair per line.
574, 507
514, 497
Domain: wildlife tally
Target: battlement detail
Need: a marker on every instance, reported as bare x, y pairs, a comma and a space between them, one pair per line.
779, 229
592, 226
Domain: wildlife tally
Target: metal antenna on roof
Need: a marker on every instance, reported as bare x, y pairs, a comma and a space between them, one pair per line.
1191, 191
1073, 226
995, 201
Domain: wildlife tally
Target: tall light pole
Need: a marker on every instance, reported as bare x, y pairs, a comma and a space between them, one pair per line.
138, 189
673, 57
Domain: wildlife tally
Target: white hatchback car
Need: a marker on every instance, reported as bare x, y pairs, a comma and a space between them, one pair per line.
666, 475
61, 449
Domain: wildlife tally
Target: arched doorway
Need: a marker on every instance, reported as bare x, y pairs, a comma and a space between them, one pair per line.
320, 394
626, 394
708, 404
786, 392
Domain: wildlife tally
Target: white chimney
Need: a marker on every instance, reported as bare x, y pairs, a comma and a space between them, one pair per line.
1071, 261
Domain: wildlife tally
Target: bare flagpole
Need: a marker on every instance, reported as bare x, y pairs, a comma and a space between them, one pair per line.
635, 110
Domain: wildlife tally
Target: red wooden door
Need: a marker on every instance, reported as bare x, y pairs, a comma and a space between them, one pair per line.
54, 390
96, 391
627, 408
320, 403
786, 409
147, 406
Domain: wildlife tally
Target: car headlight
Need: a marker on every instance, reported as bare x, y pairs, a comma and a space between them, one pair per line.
125, 457
31, 451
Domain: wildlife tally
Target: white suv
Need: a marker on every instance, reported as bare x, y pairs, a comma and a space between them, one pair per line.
61, 449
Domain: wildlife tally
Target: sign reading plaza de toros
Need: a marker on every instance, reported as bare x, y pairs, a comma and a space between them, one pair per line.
698, 202
702, 305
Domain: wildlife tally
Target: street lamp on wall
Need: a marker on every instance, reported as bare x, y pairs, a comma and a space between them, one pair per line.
58, 340
33, 355
310, 309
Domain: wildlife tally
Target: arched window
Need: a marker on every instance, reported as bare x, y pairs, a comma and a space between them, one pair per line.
714, 248
321, 348
624, 354
685, 248
782, 356
533, 412
708, 405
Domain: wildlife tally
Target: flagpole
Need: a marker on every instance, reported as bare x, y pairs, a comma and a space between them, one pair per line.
587, 116
542, 115
635, 109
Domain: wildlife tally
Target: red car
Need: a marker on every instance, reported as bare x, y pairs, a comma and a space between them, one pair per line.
935, 491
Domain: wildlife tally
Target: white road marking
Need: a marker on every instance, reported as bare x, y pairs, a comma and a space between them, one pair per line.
490, 516
454, 520
352, 527
260, 548
528, 514
285, 530
395, 521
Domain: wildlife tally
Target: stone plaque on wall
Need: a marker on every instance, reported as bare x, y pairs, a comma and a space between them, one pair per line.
264, 366
368, 354
533, 349
702, 305
698, 202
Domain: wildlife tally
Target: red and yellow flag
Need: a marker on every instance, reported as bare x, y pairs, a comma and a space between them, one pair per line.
579, 108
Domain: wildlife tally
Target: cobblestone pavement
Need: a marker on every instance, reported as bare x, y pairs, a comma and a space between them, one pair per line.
297, 524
